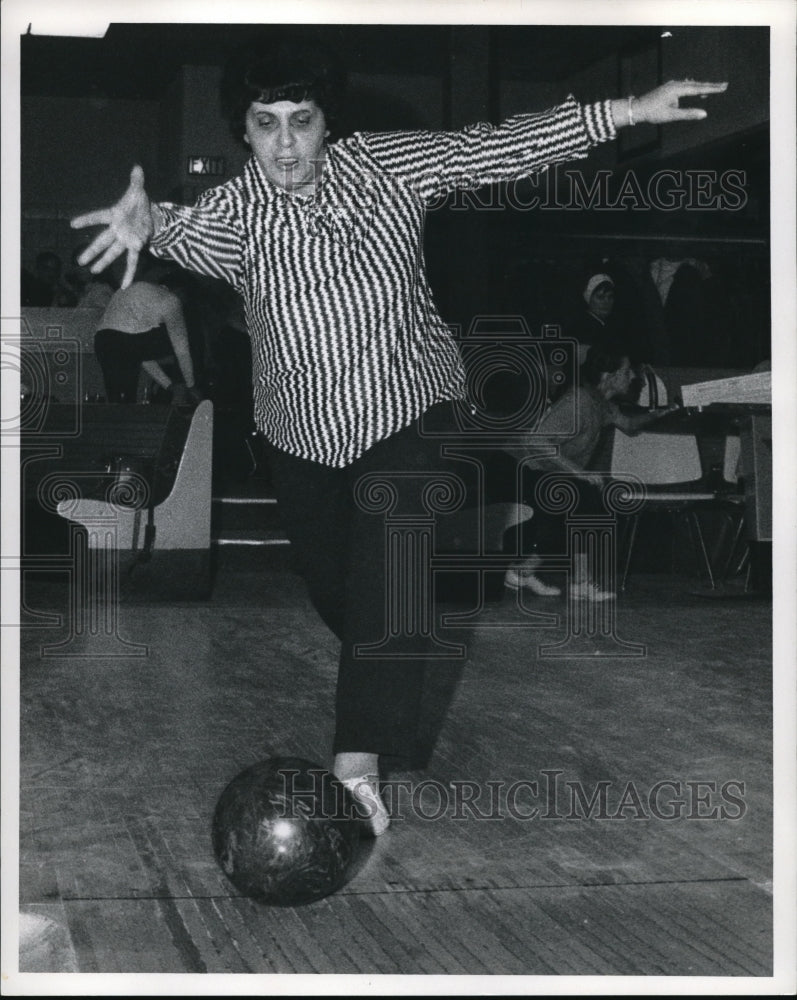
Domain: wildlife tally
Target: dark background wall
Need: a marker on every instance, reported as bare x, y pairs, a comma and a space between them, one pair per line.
147, 93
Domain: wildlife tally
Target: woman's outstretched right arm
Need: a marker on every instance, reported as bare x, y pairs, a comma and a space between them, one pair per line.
129, 224
206, 238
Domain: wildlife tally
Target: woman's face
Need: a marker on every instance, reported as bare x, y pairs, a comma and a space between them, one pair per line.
601, 302
287, 140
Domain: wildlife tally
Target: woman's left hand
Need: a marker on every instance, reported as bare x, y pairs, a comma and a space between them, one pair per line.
661, 105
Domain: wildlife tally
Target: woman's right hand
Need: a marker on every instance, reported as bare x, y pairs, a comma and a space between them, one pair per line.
128, 228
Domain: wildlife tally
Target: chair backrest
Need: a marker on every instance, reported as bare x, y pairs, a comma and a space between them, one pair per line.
656, 459
653, 392
731, 459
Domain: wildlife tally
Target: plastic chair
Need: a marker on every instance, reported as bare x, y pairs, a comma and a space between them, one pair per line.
673, 482
653, 392
735, 557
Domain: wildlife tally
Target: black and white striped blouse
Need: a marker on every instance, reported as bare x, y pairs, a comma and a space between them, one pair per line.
348, 346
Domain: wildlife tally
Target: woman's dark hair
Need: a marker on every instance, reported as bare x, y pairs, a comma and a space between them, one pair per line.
600, 362
280, 68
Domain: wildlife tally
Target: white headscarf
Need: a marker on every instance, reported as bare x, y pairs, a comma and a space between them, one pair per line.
592, 284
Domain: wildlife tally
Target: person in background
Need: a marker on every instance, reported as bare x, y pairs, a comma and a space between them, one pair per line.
46, 287
143, 325
96, 294
600, 327
323, 239
573, 426
595, 326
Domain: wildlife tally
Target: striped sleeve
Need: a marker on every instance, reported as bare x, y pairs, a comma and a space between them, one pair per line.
206, 238
599, 121
437, 162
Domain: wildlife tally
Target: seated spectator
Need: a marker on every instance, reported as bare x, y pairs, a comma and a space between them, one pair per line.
592, 404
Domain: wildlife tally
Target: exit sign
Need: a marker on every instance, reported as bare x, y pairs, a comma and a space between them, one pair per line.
209, 166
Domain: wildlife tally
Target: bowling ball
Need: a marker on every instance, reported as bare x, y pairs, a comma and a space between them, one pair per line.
285, 832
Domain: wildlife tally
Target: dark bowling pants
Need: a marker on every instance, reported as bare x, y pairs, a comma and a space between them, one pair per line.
340, 550
546, 532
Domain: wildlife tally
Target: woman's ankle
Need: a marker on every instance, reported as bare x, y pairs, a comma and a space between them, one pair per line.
355, 765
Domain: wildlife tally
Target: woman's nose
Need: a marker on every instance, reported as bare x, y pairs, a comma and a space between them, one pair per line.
285, 136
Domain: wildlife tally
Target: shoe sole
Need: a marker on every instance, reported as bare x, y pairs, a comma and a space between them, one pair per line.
552, 592
594, 600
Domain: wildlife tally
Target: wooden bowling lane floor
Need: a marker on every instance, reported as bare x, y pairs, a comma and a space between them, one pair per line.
650, 853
